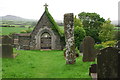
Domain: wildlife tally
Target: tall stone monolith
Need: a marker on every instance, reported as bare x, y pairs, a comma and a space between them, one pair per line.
69, 38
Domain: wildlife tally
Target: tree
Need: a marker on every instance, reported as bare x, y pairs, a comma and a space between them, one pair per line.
79, 32
77, 22
91, 23
79, 35
107, 31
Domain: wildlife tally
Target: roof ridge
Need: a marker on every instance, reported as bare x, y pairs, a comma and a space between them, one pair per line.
55, 26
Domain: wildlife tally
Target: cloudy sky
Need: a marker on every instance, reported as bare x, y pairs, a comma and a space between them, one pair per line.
33, 9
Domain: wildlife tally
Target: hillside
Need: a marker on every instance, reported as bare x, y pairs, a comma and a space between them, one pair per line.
10, 20
18, 21
14, 18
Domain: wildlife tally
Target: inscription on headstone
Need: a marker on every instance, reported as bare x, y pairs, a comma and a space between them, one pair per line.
108, 63
89, 53
69, 38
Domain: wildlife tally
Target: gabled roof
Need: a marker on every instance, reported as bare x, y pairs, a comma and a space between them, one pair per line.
55, 26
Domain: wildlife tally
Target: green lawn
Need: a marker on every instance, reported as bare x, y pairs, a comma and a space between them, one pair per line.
8, 30
43, 64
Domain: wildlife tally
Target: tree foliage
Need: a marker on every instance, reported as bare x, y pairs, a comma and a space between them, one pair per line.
107, 31
79, 32
91, 23
77, 22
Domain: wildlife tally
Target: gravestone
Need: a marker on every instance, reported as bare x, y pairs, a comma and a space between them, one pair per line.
7, 49
108, 63
93, 71
69, 38
81, 47
89, 52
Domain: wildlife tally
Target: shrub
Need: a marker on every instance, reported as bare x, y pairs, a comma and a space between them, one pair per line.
105, 44
107, 32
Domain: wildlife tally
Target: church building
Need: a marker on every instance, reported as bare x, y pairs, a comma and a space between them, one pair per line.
45, 35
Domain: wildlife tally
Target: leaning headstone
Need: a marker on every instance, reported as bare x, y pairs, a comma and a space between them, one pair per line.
69, 38
108, 63
89, 52
7, 49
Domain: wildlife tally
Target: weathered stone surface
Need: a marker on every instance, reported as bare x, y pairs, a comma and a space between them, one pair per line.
89, 52
7, 51
24, 42
45, 25
6, 46
81, 47
69, 38
108, 63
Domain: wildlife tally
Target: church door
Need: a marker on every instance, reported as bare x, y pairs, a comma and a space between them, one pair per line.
45, 41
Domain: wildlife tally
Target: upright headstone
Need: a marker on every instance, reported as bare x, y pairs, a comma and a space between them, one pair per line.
108, 63
69, 38
7, 49
89, 52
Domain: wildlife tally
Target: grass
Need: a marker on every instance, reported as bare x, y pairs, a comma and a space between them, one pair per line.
8, 30
43, 64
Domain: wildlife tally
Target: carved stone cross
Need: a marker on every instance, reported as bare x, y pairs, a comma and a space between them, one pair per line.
46, 5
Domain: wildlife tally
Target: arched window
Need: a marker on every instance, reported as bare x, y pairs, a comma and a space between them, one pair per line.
45, 41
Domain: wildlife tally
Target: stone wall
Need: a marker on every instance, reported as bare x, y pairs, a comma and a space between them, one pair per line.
24, 42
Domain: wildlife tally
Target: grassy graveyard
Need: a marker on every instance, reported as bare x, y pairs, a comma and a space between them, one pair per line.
43, 64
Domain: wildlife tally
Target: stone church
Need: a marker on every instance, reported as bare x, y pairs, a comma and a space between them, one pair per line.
45, 35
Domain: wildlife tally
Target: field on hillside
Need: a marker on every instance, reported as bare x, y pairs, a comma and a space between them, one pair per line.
43, 64
8, 30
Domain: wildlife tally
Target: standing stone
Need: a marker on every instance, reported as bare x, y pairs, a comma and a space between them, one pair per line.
108, 63
7, 49
89, 53
69, 38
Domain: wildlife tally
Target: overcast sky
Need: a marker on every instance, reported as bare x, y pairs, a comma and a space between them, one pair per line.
33, 9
